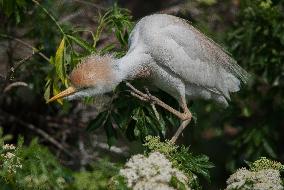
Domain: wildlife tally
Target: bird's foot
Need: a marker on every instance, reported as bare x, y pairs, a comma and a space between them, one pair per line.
186, 115
147, 97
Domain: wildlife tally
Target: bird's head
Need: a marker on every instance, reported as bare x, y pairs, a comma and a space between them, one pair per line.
94, 75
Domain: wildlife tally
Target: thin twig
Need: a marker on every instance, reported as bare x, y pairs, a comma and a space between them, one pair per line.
55, 21
17, 65
50, 16
35, 50
71, 16
13, 85
38, 131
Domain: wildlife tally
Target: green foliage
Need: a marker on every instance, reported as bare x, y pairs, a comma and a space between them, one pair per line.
177, 184
30, 167
259, 39
97, 177
208, 2
181, 157
118, 19
257, 43
153, 143
13, 9
35, 167
132, 117
117, 182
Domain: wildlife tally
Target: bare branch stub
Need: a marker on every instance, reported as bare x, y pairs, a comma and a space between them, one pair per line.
13, 85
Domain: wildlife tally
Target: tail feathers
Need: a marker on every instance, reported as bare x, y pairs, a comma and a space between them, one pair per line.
228, 82
196, 92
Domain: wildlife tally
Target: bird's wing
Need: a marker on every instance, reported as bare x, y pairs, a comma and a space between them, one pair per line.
183, 50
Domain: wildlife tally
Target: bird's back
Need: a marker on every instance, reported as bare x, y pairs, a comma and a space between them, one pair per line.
178, 48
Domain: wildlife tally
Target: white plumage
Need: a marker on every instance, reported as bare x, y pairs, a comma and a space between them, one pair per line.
182, 61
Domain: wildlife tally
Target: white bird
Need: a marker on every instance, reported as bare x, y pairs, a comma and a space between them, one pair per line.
172, 55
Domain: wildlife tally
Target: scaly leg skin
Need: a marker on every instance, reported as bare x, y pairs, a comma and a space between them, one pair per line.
154, 100
187, 118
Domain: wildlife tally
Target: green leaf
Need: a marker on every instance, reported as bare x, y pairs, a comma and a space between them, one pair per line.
47, 90
59, 61
8, 7
98, 122
246, 112
111, 133
82, 43
21, 3
107, 48
56, 90
177, 184
269, 149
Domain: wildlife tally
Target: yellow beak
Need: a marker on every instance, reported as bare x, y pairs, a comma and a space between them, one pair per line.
67, 92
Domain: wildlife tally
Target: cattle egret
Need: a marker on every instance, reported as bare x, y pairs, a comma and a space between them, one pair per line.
173, 56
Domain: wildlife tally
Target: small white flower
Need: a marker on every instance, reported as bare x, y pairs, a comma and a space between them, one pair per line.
267, 179
9, 155
152, 172
9, 160
145, 185
9, 147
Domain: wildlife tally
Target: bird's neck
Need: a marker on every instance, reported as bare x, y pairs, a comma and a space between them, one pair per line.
130, 66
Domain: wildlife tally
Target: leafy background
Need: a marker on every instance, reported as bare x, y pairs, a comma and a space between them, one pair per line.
41, 41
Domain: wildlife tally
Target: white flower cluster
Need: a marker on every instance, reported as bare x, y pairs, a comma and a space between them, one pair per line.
243, 179
9, 159
153, 172
8, 147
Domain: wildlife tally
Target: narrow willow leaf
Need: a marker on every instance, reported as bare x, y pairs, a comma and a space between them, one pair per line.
269, 149
98, 122
47, 90
111, 133
59, 61
56, 90
51, 60
82, 43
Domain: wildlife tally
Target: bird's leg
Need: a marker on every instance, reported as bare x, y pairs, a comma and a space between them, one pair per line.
152, 104
154, 100
187, 116
186, 112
